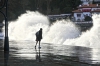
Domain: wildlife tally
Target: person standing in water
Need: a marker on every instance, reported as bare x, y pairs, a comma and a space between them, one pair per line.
38, 37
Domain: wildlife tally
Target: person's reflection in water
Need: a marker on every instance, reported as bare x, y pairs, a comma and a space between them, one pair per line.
6, 57
38, 56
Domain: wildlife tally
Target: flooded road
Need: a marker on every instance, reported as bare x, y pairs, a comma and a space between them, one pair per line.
23, 53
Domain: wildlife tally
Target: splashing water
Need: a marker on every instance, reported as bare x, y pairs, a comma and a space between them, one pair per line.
89, 38
60, 32
25, 27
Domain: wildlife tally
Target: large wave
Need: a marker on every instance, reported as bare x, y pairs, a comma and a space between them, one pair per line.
25, 27
90, 38
60, 32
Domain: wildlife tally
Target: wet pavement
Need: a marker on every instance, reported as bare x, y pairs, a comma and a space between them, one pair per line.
23, 53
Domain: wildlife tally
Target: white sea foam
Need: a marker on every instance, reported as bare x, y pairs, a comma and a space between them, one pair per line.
89, 38
27, 24
61, 32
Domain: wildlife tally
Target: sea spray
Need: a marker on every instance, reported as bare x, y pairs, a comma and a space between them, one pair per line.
25, 27
60, 31
90, 38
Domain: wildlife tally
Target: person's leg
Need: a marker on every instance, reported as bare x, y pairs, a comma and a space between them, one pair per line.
39, 44
36, 44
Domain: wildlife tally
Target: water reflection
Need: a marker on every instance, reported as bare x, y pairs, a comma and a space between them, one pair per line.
6, 57
38, 56
24, 54
73, 53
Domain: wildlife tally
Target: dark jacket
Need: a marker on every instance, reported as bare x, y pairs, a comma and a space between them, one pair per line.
39, 35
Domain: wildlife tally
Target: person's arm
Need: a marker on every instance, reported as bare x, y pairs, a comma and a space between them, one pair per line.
41, 35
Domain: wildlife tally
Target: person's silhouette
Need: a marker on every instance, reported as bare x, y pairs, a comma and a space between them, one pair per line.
38, 37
